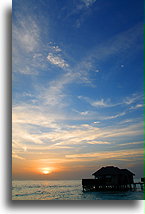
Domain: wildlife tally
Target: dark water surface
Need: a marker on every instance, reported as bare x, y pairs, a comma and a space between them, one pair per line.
65, 190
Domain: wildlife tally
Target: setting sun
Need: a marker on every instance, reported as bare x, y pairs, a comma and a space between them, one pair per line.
46, 171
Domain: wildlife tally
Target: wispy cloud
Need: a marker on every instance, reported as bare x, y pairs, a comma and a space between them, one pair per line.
132, 143
88, 3
53, 47
96, 122
29, 125
98, 142
54, 56
128, 121
127, 101
136, 106
100, 103
28, 71
109, 155
115, 116
26, 45
26, 35
14, 155
84, 113
57, 60
122, 42
117, 45
132, 99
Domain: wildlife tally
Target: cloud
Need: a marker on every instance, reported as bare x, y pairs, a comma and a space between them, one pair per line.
88, 3
28, 71
109, 155
82, 9
102, 103
132, 143
127, 121
129, 130
132, 99
30, 125
127, 101
118, 44
26, 34
96, 122
99, 103
53, 47
17, 156
27, 45
45, 133
27, 94
57, 60
114, 116
35, 115
84, 113
136, 106
54, 94
54, 56
98, 142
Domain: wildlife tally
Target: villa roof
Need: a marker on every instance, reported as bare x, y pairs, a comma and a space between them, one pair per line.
126, 171
111, 170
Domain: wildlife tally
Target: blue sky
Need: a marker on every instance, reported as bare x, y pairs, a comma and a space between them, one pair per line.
77, 86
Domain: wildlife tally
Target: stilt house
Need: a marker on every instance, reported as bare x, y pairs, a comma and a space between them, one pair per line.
111, 175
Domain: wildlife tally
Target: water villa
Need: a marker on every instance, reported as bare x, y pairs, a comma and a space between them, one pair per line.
111, 178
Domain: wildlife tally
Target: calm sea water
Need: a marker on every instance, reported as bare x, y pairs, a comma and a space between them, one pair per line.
65, 190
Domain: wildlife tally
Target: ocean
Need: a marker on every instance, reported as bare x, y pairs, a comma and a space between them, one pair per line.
65, 190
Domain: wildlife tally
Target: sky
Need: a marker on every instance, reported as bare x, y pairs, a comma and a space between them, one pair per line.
77, 87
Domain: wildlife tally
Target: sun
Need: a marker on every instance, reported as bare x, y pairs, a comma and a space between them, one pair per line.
46, 171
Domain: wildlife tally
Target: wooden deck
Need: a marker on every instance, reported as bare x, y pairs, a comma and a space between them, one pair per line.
97, 186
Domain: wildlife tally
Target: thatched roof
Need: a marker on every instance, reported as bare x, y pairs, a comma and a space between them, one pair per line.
111, 170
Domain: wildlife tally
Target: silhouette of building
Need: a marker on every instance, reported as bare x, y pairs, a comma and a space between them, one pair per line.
111, 175
110, 178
